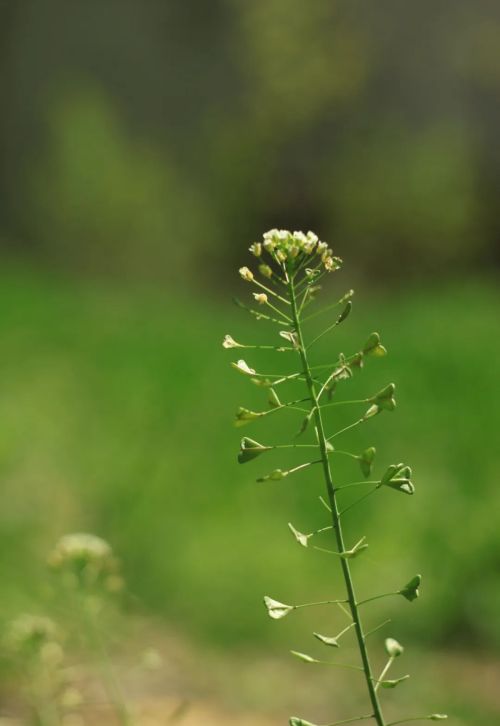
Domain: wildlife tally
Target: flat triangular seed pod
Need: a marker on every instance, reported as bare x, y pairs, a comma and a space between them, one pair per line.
391, 472
243, 367
345, 313
355, 551
411, 590
332, 642
250, 449
276, 609
302, 539
393, 682
372, 411
384, 399
274, 475
366, 460
401, 485
397, 476
373, 346
244, 416
229, 342
290, 336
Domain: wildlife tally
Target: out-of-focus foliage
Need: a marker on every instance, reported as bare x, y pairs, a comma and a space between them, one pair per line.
154, 141
109, 201
143, 137
117, 417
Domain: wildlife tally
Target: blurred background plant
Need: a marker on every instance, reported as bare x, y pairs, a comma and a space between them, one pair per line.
142, 145
61, 667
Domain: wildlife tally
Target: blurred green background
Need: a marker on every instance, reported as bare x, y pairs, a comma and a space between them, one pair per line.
143, 147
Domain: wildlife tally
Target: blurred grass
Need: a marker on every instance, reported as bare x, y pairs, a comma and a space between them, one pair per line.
115, 416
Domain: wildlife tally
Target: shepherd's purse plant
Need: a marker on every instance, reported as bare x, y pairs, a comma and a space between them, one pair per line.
290, 267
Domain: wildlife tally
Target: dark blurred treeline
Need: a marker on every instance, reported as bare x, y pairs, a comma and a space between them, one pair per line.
155, 138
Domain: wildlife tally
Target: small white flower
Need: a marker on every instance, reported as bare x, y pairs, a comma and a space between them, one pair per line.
256, 249
260, 297
299, 237
246, 274
229, 342
321, 248
271, 234
393, 648
243, 367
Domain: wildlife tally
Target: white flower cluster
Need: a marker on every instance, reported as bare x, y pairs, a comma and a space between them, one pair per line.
81, 549
285, 246
86, 560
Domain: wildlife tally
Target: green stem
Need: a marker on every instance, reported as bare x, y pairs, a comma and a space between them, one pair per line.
271, 292
384, 672
374, 630
321, 602
322, 440
407, 720
351, 720
377, 597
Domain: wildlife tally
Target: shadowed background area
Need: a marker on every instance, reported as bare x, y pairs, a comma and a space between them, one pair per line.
143, 147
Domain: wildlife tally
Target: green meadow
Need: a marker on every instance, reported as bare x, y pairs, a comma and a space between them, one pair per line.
116, 417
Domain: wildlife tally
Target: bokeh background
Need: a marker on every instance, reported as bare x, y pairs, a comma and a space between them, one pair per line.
143, 146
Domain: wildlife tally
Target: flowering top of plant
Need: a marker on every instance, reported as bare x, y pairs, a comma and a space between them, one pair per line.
298, 262
295, 247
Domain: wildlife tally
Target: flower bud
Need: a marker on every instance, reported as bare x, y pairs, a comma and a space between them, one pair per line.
256, 249
246, 274
265, 271
260, 297
393, 648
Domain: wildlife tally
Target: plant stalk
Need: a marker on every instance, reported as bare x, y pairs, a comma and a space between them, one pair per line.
337, 528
